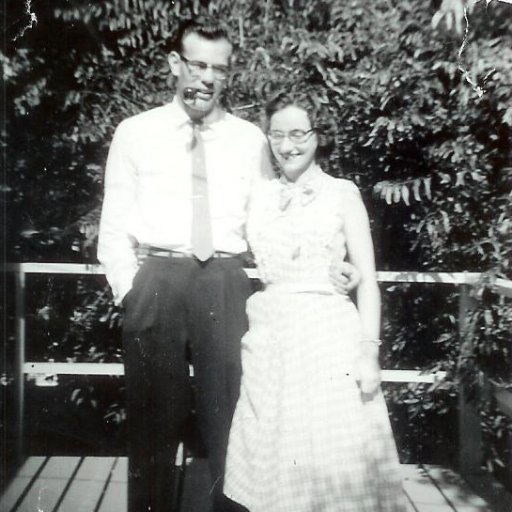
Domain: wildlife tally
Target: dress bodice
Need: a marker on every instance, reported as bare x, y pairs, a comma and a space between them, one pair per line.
296, 230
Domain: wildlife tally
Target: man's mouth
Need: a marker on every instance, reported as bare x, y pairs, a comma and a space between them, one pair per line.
192, 94
204, 95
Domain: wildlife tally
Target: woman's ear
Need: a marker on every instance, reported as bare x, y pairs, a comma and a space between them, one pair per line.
174, 61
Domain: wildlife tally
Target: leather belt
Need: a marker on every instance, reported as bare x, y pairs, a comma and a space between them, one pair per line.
169, 253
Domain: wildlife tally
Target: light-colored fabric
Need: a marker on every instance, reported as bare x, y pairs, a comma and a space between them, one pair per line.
201, 236
148, 186
302, 438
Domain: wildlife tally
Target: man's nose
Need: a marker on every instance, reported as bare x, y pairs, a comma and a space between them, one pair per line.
207, 75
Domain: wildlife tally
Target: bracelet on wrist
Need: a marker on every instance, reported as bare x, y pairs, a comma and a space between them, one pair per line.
375, 341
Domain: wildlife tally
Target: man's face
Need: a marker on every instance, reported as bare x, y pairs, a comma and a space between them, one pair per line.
201, 71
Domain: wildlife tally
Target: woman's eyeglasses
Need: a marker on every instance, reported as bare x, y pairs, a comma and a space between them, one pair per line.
296, 136
196, 68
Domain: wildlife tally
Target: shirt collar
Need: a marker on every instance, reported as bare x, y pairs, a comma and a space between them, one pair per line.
180, 118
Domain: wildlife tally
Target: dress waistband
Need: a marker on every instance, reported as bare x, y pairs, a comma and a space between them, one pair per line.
302, 287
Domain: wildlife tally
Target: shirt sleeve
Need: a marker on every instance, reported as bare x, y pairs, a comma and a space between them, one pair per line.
262, 166
116, 248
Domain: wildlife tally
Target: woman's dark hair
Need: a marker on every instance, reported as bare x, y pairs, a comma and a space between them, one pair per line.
207, 28
320, 118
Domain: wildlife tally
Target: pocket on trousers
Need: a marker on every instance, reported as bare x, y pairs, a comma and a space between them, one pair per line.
135, 283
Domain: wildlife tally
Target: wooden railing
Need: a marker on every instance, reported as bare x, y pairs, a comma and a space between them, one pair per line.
469, 421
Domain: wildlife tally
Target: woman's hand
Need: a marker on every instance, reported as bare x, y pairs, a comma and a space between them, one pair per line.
367, 368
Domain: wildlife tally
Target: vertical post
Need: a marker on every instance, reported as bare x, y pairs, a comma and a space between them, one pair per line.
470, 433
20, 362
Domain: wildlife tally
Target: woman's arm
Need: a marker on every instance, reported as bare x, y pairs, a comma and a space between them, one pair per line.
361, 254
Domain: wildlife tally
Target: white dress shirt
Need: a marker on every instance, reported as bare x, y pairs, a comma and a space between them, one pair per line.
148, 186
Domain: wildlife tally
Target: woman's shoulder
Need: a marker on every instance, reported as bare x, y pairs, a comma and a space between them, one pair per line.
342, 186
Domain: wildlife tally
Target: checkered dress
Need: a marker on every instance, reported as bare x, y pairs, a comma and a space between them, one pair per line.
302, 439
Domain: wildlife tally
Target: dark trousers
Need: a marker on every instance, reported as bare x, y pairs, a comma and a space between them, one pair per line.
175, 302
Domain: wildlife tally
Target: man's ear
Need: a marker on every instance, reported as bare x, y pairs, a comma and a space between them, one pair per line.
174, 62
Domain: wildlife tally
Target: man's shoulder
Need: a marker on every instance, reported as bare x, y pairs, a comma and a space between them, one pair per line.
145, 118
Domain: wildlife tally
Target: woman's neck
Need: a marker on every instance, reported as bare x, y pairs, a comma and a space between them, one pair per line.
304, 176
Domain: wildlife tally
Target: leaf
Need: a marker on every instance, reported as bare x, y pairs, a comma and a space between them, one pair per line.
426, 183
446, 221
507, 116
75, 394
27, 233
405, 194
396, 193
460, 178
445, 178
388, 191
416, 184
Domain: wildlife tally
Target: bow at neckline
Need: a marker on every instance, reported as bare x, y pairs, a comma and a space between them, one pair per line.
302, 193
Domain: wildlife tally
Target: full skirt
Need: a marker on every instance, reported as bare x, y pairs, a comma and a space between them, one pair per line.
303, 438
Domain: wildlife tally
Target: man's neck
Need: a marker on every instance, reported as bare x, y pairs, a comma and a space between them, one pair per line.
200, 116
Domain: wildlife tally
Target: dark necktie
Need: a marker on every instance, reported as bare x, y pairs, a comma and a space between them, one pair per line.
202, 240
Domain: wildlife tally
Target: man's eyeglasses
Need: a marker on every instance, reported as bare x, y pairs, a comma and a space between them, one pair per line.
296, 136
197, 68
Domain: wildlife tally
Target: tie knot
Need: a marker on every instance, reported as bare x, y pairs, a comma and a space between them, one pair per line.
196, 131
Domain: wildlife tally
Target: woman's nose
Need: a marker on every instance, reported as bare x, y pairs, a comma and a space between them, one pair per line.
286, 145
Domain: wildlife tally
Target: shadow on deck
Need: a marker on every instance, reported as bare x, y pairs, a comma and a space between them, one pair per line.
98, 484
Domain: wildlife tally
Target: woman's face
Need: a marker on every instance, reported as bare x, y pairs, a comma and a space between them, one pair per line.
292, 142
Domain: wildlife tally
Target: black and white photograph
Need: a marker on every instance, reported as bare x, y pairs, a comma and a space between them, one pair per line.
257, 256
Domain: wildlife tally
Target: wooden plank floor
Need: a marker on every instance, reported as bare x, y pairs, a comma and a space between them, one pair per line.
98, 484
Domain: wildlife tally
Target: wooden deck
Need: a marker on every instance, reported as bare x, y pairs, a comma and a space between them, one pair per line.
98, 484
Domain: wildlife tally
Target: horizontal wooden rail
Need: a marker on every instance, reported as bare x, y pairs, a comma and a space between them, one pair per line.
383, 276
502, 286
52, 368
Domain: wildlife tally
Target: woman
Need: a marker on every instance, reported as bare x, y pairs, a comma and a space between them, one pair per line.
311, 430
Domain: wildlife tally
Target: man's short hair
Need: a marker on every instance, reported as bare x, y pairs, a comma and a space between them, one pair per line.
203, 26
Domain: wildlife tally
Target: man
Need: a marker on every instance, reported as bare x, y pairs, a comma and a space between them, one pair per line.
190, 290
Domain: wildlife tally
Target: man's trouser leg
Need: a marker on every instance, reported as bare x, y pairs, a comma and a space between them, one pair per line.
217, 323
157, 382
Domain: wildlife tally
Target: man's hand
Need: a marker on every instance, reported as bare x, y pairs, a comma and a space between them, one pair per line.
344, 276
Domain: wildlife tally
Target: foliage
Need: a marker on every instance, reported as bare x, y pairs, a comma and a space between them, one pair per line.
413, 128
424, 124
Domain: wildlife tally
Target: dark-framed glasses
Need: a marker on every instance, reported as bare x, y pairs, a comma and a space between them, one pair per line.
296, 136
197, 68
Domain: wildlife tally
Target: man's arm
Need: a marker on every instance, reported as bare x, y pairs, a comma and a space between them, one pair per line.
115, 246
